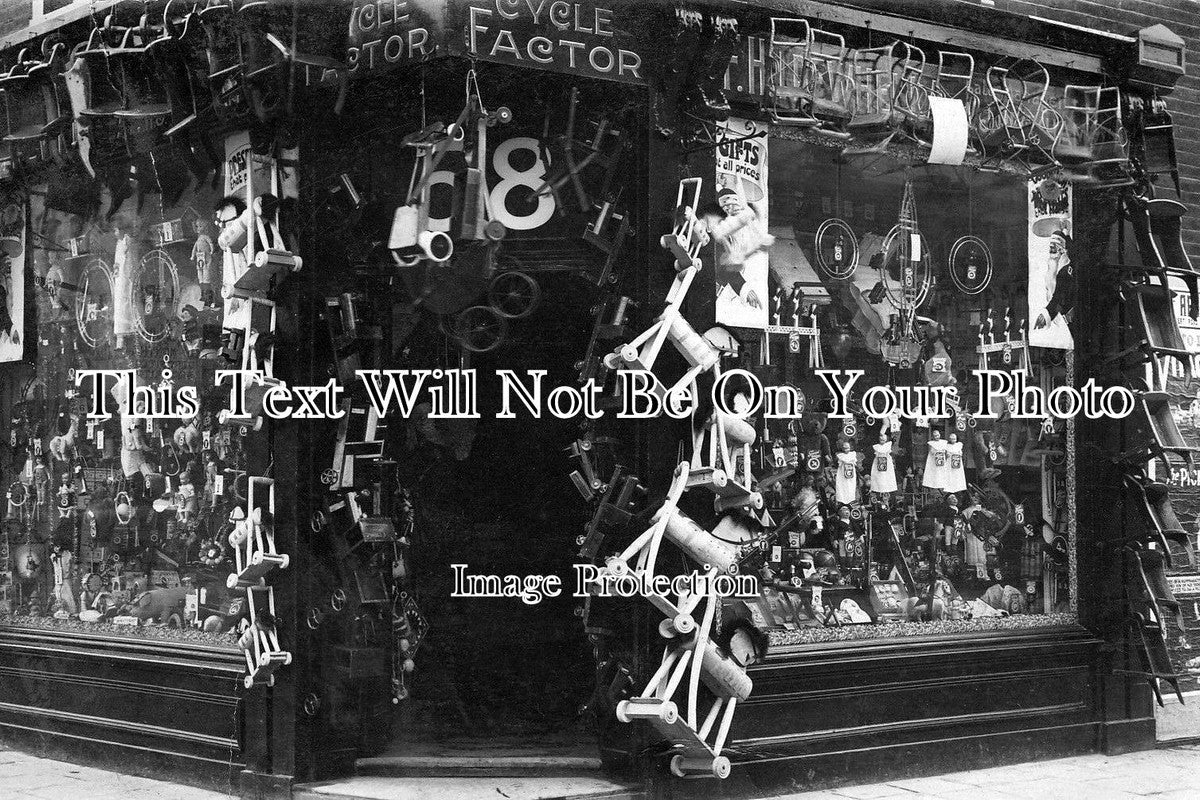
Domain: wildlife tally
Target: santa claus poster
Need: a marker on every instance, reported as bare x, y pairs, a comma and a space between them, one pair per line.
739, 231
1051, 274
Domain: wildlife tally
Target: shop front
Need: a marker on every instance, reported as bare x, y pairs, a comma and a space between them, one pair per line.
786, 346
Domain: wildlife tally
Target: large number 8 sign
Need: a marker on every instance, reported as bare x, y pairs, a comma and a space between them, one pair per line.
511, 179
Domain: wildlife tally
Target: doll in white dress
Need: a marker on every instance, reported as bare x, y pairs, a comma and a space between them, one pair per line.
883, 467
935, 462
954, 476
846, 484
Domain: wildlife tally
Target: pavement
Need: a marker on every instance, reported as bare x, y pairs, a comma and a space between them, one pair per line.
1164, 774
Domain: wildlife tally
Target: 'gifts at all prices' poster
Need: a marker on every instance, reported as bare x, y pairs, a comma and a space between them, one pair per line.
739, 232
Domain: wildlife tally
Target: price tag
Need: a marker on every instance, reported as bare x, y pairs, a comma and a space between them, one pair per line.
219, 485
776, 554
100, 438
206, 439
1030, 587
817, 597
981, 572
914, 240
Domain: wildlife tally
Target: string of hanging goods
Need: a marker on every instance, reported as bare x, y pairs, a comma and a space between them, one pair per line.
905, 256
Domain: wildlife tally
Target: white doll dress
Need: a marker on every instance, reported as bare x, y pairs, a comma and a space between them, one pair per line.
936, 465
883, 469
954, 479
846, 485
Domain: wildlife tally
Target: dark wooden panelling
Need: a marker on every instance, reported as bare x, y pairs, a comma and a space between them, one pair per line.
165, 708
849, 713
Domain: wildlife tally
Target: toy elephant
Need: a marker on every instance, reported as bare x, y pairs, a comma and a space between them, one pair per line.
158, 604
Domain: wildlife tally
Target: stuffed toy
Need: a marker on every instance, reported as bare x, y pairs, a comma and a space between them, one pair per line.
159, 604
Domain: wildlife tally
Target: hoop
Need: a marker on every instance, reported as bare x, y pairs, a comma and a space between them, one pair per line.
163, 306
958, 266
826, 246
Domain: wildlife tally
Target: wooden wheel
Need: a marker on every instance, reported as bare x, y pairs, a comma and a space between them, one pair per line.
513, 294
94, 302
480, 329
156, 291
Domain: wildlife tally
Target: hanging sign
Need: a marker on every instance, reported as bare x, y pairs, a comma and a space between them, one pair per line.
12, 279
741, 240
1051, 274
578, 38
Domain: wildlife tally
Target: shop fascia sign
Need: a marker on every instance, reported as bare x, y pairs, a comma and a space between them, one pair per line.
578, 38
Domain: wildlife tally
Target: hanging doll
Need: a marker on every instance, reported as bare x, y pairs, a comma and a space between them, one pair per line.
125, 262
883, 467
202, 254
935, 462
210, 478
955, 476
846, 483
41, 481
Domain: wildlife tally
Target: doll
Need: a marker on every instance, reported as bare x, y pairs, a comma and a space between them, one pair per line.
210, 477
846, 483
806, 504
954, 476
846, 540
883, 468
202, 253
125, 261
935, 462
41, 481
954, 526
185, 498
63, 561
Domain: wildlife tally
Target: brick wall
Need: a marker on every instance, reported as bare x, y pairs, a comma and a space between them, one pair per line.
14, 15
1126, 17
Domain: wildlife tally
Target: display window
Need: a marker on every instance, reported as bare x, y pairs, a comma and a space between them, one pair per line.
903, 281
128, 492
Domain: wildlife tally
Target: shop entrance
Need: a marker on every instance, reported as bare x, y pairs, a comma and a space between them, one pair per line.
521, 223
499, 677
